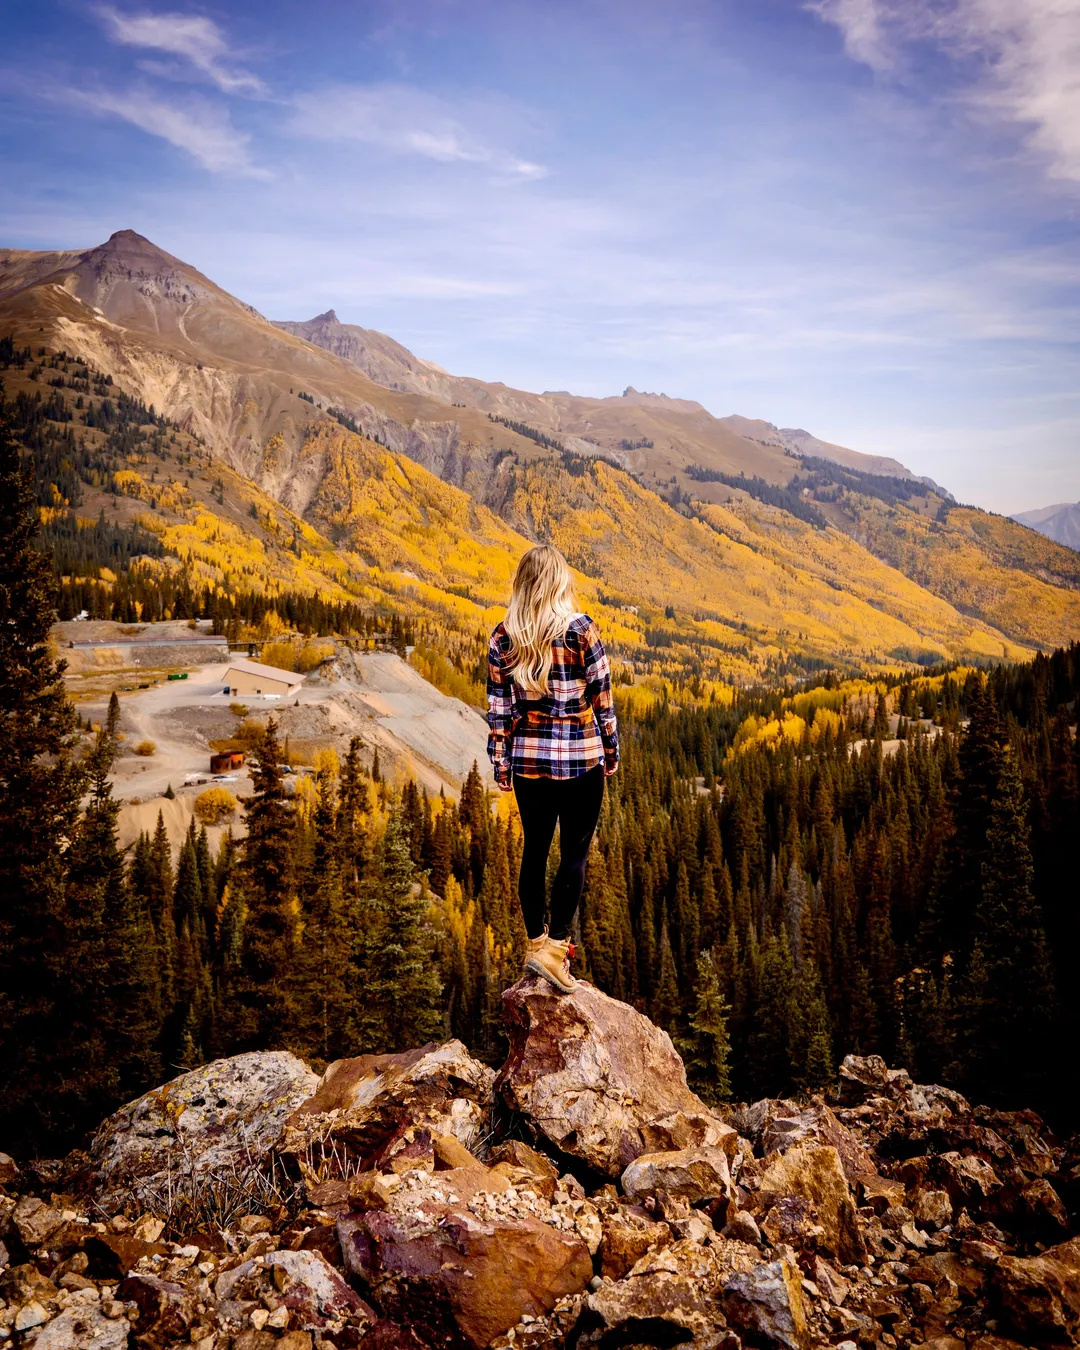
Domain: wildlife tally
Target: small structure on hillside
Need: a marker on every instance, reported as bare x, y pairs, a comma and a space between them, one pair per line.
226, 761
252, 677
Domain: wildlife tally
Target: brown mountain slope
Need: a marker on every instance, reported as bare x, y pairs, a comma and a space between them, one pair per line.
653, 435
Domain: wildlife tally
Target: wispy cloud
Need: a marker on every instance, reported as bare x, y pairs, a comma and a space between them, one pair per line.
1026, 56
202, 129
192, 37
864, 28
406, 121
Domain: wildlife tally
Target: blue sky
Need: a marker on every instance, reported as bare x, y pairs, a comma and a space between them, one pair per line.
853, 216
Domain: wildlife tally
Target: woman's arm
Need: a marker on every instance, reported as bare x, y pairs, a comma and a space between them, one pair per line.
598, 692
500, 696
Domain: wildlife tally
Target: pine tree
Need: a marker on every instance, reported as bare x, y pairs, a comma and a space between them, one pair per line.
259, 1009
813, 1067
776, 1026
326, 988
404, 987
667, 1001
1009, 1022
708, 1048
352, 801
41, 785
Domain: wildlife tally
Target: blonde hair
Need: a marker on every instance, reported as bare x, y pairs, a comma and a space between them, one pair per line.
541, 606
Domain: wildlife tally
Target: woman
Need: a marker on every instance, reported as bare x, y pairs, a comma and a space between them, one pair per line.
553, 741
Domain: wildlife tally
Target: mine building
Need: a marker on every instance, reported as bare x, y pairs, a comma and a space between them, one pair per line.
244, 677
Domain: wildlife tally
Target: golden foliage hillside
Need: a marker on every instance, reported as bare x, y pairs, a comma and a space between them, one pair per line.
1017, 580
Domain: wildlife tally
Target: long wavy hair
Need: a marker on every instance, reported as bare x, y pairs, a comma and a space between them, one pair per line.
541, 606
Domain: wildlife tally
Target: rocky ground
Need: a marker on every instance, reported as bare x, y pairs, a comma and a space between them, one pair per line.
583, 1197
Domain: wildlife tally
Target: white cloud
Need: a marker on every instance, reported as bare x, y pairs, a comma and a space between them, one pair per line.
405, 121
191, 36
200, 128
1026, 56
862, 24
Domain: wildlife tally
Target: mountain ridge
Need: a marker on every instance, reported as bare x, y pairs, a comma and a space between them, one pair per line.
1060, 522
742, 551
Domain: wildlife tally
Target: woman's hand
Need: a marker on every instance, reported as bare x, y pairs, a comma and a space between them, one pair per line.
611, 769
504, 779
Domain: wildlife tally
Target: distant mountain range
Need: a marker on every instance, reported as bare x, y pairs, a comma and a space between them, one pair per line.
1060, 522
322, 456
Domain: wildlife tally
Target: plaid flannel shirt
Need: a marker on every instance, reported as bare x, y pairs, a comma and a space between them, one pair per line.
570, 730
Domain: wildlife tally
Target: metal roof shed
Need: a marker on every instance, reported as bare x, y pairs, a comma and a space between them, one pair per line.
252, 677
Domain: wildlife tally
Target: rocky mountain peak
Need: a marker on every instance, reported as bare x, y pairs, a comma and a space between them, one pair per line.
329, 317
134, 248
128, 237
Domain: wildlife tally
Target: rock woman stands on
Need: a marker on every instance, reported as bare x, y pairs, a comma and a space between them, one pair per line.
553, 741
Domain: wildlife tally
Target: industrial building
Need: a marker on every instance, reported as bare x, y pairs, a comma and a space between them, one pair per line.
244, 677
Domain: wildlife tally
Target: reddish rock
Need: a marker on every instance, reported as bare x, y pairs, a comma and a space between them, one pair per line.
697, 1174
742, 1227
457, 1279
817, 1123
386, 1335
36, 1222
302, 1281
866, 1076
450, 1152
932, 1209
881, 1193
382, 1107
668, 1296
1041, 1294
829, 1281
313, 1291
1034, 1211
541, 1172
114, 1254
20, 1285
598, 1079
969, 1180
166, 1310
813, 1173
628, 1233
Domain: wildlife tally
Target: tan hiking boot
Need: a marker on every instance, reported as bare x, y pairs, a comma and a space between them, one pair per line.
551, 961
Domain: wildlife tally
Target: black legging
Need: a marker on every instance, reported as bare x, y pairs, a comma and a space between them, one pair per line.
575, 804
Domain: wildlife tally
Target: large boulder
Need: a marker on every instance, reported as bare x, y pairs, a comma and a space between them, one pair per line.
766, 1305
696, 1174
598, 1080
222, 1119
369, 1108
789, 1125
628, 1232
458, 1279
670, 1295
813, 1174
1040, 1295
865, 1076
